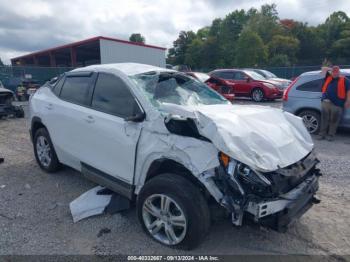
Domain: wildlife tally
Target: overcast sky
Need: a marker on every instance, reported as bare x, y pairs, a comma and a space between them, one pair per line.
31, 25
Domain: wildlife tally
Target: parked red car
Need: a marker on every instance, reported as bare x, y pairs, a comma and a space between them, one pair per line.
244, 83
198, 75
204, 77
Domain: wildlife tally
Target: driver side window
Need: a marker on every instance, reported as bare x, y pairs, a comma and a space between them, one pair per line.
112, 96
239, 76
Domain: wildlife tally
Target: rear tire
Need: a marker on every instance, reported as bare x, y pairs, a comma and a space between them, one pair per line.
257, 95
44, 151
185, 200
312, 120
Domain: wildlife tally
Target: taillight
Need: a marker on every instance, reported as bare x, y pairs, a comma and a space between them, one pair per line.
286, 91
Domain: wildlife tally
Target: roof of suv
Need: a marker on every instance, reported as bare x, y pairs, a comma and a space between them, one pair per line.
312, 73
126, 68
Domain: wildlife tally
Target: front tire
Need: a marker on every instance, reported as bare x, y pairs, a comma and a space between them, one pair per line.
44, 151
173, 211
257, 95
312, 121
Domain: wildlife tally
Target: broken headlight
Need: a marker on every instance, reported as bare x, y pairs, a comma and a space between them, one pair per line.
244, 179
252, 177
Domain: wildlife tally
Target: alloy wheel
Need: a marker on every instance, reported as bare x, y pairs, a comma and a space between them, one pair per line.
164, 219
43, 151
311, 123
258, 95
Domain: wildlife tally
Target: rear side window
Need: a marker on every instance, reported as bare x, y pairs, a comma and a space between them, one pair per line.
57, 88
112, 96
224, 75
311, 86
77, 90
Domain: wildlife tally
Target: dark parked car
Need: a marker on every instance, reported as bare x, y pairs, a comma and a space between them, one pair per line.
6, 104
244, 83
303, 98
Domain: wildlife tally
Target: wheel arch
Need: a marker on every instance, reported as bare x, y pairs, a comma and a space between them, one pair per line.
257, 87
35, 125
166, 165
297, 112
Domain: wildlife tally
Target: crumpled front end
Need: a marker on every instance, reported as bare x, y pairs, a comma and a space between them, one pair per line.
267, 168
273, 199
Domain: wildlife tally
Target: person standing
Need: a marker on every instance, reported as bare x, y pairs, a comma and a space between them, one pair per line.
335, 97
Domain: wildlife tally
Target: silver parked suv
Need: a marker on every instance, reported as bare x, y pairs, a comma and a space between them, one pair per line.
303, 98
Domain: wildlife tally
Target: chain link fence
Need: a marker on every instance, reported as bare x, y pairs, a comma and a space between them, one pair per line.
12, 76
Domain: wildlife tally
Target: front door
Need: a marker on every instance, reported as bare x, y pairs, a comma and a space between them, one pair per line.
112, 140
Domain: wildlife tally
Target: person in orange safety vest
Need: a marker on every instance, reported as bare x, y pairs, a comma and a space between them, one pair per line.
335, 97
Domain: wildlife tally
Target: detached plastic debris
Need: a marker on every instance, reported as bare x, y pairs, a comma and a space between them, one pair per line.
96, 201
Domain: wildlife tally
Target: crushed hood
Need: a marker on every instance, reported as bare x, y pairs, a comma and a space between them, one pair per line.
261, 137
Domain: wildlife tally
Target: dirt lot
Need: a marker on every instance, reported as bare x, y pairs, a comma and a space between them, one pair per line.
35, 216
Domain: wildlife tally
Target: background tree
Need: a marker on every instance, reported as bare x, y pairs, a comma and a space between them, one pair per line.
1, 63
258, 37
230, 30
137, 37
284, 45
265, 23
251, 50
176, 54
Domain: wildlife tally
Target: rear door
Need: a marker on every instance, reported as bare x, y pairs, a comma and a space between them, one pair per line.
67, 115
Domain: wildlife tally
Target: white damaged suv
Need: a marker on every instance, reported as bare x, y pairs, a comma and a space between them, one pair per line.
173, 145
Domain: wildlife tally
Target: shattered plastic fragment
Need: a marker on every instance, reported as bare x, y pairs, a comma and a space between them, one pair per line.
97, 201
89, 204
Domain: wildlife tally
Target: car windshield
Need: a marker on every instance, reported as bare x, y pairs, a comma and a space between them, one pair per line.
268, 74
176, 88
254, 75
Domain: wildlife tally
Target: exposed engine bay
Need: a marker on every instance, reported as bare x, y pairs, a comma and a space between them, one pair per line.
273, 199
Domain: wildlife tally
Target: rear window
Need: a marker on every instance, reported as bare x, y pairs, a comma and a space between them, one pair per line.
311, 86
77, 90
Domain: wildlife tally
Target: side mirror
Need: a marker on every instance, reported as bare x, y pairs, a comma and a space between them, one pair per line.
247, 79
136, 118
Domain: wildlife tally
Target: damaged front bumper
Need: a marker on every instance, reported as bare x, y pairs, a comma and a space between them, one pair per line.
279, 213
276, 200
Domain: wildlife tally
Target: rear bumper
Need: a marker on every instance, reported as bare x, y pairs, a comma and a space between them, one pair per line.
279, 213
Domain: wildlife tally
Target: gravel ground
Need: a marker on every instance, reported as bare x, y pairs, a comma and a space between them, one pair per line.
35, 217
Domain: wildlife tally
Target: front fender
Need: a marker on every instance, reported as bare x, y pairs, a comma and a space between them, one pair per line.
194, 154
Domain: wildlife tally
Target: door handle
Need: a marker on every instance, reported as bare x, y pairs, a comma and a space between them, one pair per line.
89, 119
49, 107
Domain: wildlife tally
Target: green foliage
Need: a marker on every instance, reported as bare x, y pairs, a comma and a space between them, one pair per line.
250, 50
284, 45
280, 60
137, 37
258, 37
176, 54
